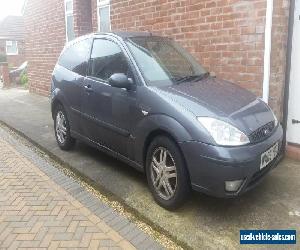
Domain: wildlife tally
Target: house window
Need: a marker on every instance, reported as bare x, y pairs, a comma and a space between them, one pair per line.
11, 48
103, 10
70, 34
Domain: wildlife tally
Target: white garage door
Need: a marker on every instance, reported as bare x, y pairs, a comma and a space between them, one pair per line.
293, 126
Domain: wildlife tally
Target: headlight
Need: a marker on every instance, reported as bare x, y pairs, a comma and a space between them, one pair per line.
223, 133
275, 118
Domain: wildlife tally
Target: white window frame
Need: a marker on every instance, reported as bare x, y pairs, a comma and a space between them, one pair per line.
103, 4
67, 14
9, 43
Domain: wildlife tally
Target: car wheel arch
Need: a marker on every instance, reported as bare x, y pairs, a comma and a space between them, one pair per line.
54, 105
153, 125
57, 99
157, 133
150, 137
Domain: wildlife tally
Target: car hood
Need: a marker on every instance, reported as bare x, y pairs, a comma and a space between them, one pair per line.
220, 99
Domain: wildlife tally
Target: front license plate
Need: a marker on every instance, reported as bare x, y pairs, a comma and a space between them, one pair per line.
269, 156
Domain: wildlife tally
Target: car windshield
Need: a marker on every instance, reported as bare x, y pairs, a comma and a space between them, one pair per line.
163, 62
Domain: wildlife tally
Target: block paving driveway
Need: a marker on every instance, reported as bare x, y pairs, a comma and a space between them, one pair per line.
38, 210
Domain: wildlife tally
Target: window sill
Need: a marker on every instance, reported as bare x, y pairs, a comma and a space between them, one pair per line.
12, 54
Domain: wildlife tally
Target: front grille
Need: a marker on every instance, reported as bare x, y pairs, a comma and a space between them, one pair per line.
262, 133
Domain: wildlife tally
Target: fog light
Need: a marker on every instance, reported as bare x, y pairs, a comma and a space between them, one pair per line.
233, 186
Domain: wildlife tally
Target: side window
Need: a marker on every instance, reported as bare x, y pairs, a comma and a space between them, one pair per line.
76, 57
107, 59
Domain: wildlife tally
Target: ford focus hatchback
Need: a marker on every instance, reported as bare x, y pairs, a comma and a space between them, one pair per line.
148, 102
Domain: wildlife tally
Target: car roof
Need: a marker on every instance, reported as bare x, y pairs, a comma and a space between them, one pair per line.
121, 34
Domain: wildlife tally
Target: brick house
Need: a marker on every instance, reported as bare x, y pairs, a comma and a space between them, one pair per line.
12, 32
240, 40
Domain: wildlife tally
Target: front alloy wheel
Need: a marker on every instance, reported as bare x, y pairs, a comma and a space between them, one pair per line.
167, 174
163, 173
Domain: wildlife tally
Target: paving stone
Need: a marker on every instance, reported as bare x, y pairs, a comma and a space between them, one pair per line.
119, 224
139, 239
40, 207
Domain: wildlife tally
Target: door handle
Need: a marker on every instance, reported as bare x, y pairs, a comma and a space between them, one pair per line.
294, 121
88, 88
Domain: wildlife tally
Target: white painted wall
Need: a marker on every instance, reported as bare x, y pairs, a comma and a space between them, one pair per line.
293, 130
267, 53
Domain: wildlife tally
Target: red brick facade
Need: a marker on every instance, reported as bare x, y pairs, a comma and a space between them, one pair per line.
82, 17
4, 72
45, 37
227, 36
14, 60
12, 29
94, 15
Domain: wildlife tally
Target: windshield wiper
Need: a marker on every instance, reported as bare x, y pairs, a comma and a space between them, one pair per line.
200, 77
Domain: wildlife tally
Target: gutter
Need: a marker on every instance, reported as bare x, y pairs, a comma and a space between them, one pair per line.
267, 53
288, 70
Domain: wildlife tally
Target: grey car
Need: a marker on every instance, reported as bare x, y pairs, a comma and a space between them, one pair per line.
146, 101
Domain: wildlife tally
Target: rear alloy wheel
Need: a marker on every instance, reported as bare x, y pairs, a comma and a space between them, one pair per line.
166, 173
62, 129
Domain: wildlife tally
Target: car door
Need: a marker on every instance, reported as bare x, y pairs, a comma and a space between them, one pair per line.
71, 78
108, 111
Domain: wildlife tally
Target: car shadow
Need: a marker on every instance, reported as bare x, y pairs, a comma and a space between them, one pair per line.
197, 200
110, 161
254, 209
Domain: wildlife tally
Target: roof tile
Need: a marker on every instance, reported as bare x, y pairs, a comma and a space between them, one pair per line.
12, 27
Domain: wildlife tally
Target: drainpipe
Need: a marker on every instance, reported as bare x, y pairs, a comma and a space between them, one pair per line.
288, 70
267, 55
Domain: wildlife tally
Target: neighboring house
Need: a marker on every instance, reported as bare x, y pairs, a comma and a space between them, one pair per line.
241, 41
12, 40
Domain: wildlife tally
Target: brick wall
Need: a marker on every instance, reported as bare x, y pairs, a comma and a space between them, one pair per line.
14, 60
82, 17
94, 15
45, 37
2, 47
227, 36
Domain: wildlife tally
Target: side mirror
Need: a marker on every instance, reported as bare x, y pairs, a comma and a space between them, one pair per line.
120, 80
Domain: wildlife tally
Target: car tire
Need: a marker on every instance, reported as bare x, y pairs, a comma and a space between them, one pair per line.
62, 129
167, 157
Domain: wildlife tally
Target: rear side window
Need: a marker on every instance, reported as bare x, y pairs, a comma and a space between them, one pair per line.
107, 58
76, 57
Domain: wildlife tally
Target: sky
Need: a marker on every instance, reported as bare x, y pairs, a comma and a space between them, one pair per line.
10, 7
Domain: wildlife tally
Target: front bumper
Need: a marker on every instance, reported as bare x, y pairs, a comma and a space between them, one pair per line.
210, 166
